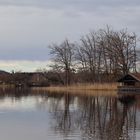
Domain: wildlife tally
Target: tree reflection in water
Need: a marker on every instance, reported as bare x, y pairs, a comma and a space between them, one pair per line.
103, 118
86, 117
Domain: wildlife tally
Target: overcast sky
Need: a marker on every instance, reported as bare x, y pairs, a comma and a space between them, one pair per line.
27, 27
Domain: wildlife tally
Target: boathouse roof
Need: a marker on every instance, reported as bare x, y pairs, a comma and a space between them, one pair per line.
130, 77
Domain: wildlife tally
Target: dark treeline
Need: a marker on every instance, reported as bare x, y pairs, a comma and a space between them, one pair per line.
101, 56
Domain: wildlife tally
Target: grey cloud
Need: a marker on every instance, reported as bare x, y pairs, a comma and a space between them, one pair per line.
75, 4
74, 8
26, 32
22, 53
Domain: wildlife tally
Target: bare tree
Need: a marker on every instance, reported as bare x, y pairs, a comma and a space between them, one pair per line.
121, 51
87, 54
108, 53
101, 56
63, 56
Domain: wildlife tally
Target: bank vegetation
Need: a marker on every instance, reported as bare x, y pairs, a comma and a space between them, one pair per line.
95, 62
99, 59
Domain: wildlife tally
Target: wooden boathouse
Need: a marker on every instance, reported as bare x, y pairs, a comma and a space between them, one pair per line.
129, 83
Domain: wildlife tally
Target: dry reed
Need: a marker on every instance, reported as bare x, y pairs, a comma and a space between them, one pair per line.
105, 89
96, 86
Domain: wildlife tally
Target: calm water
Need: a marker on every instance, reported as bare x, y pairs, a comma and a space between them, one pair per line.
34, 115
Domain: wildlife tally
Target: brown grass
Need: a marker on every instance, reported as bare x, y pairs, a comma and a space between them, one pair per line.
6, 86
95, 87
105, 89
76, 92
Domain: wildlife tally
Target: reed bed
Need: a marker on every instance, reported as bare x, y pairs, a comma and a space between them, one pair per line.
7, 86
96, 86
105, 89
112, 93
88, 89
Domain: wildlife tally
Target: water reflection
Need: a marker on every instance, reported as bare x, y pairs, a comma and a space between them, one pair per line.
76, 117
104, 118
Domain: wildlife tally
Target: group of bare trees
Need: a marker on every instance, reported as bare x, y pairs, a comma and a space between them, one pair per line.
103, 55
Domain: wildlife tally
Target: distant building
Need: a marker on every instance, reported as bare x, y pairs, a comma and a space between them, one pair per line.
37, 79
30, 79
5, 77
24, 79
130, 82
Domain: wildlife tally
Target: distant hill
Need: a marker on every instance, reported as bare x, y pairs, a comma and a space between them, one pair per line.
5, 77
4, 72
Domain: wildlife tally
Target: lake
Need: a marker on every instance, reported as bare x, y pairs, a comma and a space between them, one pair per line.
38, 115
